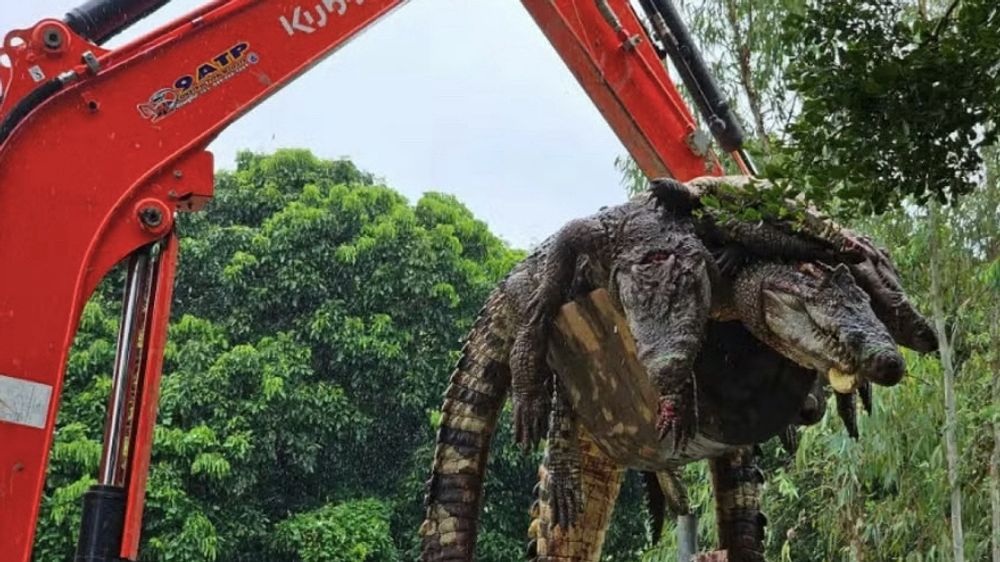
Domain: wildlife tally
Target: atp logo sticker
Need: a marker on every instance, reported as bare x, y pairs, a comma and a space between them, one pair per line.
189, 87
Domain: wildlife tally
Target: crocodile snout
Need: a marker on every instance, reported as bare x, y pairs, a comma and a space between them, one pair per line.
885, 367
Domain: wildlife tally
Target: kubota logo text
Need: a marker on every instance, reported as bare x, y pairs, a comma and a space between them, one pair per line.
310, 19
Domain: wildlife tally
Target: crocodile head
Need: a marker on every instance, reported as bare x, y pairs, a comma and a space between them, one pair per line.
879, 278
820, 318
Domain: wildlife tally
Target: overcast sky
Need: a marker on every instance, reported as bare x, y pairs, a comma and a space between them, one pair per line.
461, 96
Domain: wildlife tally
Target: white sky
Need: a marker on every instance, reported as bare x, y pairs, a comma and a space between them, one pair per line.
461, 96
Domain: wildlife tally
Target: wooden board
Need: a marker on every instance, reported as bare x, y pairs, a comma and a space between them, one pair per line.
594, 354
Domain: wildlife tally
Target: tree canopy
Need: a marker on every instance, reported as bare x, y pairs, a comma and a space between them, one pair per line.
317, 317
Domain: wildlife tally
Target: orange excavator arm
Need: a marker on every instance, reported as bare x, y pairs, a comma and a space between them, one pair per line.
99, 148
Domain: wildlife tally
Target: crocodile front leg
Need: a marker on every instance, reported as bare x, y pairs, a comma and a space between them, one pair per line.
600, 480
737, 482
530, 377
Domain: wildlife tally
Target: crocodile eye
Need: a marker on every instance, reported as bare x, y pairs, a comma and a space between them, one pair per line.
656, 256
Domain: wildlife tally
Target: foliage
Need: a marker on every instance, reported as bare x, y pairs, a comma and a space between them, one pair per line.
895, 104
348, 532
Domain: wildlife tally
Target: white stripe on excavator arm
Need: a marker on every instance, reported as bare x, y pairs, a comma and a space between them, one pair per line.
24, 402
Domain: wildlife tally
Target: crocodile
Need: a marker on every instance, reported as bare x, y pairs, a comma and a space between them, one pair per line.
612, 245
814, 315
774, 236
651, 253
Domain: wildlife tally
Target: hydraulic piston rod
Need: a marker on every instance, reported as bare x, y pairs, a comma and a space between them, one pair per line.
104, 504
136, 290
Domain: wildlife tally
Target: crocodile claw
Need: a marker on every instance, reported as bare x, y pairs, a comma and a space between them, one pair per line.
865, 393
789, 438
729, 260
531, 390
677, 415
531, 421
565, 500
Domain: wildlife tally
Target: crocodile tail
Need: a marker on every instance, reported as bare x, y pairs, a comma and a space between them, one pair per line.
665, 491
737, 482
601, 481
472, 403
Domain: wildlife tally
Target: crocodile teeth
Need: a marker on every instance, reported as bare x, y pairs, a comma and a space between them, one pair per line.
843, 383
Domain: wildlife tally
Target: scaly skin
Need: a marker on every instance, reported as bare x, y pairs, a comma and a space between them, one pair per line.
473, 400
737, 483
878, 277
479, 385
601, 481
812, 238
808, 238
563, 463
660, 271
818, 317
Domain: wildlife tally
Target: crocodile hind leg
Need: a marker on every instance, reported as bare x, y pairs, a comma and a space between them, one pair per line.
737, 482
600, 479
562, 463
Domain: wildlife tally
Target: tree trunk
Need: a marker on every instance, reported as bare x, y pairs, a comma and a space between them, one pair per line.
741, 50
857, 551
995, 457
948, 368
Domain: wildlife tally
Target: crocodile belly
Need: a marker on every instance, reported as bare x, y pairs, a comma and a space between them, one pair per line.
746, 392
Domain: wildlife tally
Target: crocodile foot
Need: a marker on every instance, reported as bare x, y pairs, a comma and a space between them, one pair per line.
565, 499
678, 415
531, 390
729, 259
531, 417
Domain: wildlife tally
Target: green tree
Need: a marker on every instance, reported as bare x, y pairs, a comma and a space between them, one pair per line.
893, 109
896, 102
317, 317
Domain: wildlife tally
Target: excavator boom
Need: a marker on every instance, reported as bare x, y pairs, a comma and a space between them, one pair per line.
99, 148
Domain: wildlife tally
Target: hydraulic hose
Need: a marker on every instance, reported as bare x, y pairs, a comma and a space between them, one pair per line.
683, 52
100, 20
29, 102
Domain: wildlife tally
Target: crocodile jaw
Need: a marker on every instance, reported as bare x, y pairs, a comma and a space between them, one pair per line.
795, 334
843, 383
